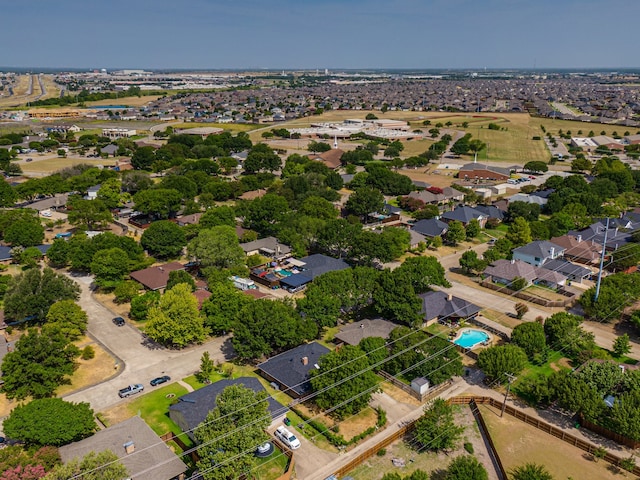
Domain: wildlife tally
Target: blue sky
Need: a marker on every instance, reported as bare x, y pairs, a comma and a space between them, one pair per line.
277, 34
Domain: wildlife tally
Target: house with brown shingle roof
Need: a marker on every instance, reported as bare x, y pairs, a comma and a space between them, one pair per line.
156, 278
331, 158
578, 249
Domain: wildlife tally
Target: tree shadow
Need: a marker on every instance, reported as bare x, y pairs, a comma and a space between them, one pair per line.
227, 349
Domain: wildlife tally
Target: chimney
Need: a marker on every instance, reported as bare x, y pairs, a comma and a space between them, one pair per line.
513, 260
449, 297
129, 447
579, 238
552, 251
305, 360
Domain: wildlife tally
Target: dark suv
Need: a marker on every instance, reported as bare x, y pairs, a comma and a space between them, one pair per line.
119, 321
159, 380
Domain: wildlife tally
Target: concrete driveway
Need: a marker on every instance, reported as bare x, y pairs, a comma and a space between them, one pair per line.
137, 360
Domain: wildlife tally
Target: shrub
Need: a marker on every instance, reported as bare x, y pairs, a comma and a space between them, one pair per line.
88, 353
468, 446
382, 452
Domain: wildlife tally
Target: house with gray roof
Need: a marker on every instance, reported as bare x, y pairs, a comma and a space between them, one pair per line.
137, 447
465, 214
573, 272
269, 247
441, 306
490, 211
506, 271
616, 237
192, 409
291, 370
431, 227
526, 198
537, 253
449, 194
353, 333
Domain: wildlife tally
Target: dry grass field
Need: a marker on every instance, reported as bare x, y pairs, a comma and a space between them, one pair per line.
90, 372
21, 89
229, 127
518, 443
49, 165
126, 101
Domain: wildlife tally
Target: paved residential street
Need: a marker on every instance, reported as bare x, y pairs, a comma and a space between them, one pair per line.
141, 362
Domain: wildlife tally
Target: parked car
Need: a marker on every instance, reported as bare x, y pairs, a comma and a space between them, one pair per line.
29, 160
288, 438
130, 390
119, 321
159, 380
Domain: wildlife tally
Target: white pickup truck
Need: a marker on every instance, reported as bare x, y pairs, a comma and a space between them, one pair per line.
288, 438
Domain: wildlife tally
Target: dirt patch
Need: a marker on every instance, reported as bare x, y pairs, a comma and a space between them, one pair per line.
117, 414
90, 372
107, 299
398, 394
428, 175
518, 443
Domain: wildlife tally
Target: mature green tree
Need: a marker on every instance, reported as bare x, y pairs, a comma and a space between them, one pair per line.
188, 188
625, 415
163, 239
466, 467
25, 233
141, 304
337, 237
28, 257
67, 317
470, 262
423, 272
456, 233
58, 254
88, 214
559, 325
616, 292
110, 193
625, 257
109, 267
318, 207
417, 355
39, 364
181, 276
143, 158
621, 345
581, 164
473, 229
436, 428
50, 421
530, 337
7, 194
376, 350
100, 466
125, 291
531, 471
603, 377
395, 298
176, 320
529, 211
134, 181
217, 246
536, 166
261, 157
221, 309
344, 381
236, 426
497, 361
364, 201
159, 203
269, 327
263, 214
214, 217
31, 293
519, 232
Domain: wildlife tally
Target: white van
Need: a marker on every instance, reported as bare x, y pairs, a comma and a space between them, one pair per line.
288, 438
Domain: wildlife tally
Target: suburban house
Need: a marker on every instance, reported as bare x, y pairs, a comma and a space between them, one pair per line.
439, 305
269, 247
538, 252
331, 158
506, 271
138, 448
192, 219
156, 278
192, 409
311, 267
616, 238
56, 202
528, 198
579, 250
449, 194
573, 272
353, 333
92, 192
465, 214
5, 254
416, 239
290, 370
479, 171
430, 228
490, 211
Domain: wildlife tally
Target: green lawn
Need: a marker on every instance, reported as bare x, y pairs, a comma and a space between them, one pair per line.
271, 467
153, 408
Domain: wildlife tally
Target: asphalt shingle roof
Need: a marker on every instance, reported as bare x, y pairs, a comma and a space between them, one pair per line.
437, 305
430, 227
463, 214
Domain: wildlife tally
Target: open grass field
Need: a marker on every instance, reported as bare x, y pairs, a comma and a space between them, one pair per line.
271, 467
42, 167
90, 372
518, 443
229, 127
126, 101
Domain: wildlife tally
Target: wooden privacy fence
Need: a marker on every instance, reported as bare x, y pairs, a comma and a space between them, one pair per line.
421, 397
514, 412
484, 431
568, 301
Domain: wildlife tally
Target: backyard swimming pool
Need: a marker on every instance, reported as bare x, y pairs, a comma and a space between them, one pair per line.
470, 337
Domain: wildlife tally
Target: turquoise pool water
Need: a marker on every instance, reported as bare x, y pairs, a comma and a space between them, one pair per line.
470, 337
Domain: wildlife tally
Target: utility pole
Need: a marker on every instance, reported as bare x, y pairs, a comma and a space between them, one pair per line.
510, 378
604, 248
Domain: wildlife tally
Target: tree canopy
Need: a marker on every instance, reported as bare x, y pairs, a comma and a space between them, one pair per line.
217, 246
436, 428
163, 239
50, 421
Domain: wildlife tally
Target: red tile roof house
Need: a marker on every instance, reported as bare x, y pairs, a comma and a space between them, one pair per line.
156, 278
331, 158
